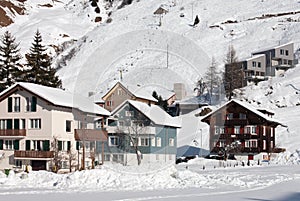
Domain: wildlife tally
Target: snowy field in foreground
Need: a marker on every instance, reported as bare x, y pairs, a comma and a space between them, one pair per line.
266, 182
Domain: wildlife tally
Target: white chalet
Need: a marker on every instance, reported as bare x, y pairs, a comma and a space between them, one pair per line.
46, 128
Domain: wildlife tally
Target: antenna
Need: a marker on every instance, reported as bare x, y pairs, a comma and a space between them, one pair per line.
167, 55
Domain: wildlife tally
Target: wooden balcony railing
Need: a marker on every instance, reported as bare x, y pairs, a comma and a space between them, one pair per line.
13, 132
91, 135
33, 154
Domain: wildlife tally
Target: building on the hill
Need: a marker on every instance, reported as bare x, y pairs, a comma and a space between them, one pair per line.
239, 128
121, 92
48, 128
137, 126
278, 59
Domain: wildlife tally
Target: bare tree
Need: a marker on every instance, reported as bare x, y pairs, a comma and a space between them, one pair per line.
233, 75
212, 77
57, 156
72, 156
134, 127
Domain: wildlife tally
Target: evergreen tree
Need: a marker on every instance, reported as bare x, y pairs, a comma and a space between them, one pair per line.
233, 76
9, 61
39, 63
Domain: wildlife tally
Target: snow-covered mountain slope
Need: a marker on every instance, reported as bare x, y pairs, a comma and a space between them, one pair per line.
134, 43
163, 49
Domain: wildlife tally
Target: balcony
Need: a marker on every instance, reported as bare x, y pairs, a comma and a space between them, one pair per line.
12, 132
34, 154
91, 135
236, 121
238, 136
238, 150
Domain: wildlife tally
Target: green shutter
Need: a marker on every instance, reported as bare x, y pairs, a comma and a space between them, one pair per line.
9, 124
27, 145
69, 145
1, 144
16, 124
9, 104
46, 145
33, 104
59, 145
16, 144
77, 145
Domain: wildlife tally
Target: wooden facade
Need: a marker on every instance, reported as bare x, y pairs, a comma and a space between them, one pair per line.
237, 128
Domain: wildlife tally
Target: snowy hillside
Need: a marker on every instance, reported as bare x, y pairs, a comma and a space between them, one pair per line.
152, 50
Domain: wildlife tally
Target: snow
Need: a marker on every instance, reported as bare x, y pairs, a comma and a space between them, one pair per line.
153, 112
133, 41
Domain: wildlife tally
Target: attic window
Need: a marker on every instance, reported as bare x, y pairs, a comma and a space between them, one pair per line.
128, 113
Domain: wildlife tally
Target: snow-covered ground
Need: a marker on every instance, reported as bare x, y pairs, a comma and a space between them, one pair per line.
157, 183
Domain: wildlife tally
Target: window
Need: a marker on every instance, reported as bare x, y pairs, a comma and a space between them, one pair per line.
222, 130
35, 123
153, 141
229, 116
3, 124
18, 163
31, 104
253, 129
237, 130
253, 63
68, 126
282, 51
8, 145
264, 131
171, 142
128, 113
109, 103
264, 144
158, 141
251, 143
259, 64
286, 53
114, 141
217, 131
271, 132
145, 142
250, 129
17, 104
9, 104
221, 143
243, 116
121, 123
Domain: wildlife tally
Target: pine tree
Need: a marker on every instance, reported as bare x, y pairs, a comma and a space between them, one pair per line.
39, 63
233, 76
9, 61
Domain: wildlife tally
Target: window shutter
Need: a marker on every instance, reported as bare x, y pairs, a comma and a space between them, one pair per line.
9, 124
69, 145
16, 124
9, 104
59, 145
77, 145
16, 144
27, 145
46, 145
1, 144
33, 104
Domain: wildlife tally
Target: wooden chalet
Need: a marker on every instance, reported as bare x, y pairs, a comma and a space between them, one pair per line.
239, 128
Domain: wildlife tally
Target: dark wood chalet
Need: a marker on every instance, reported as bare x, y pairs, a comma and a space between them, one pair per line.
237, 127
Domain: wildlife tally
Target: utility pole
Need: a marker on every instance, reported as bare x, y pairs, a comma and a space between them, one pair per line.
167, 56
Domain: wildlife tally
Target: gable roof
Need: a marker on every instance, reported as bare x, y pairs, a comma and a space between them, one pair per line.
246, 106
153, 112
58, 97
272, 48
132, 90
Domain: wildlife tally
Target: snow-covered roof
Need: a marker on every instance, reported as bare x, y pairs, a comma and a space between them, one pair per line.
61, 98
254, 57
153, 112
165, 93
272, 48
135, 90
247, 106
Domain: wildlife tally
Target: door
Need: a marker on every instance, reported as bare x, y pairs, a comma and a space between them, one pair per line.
38, 165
